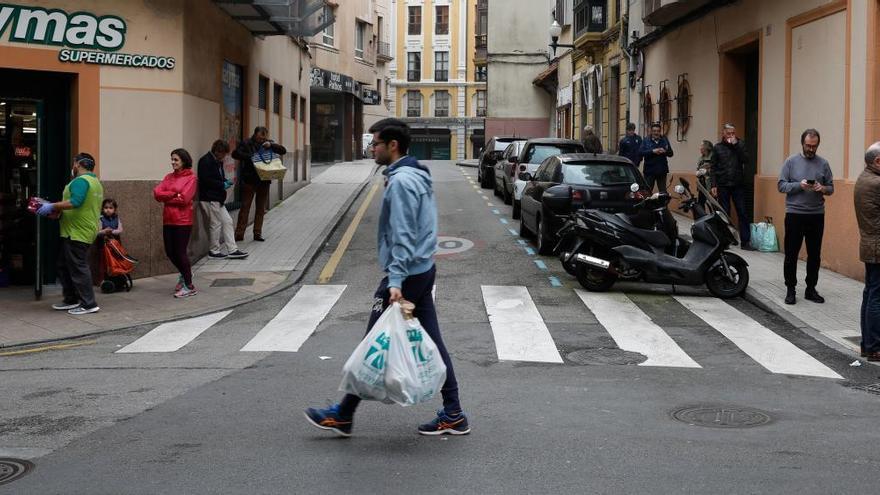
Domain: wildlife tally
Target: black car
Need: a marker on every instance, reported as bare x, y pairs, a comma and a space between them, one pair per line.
525, 156
489, 155
607, 180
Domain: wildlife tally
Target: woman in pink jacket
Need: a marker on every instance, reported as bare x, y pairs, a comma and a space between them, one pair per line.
176, 192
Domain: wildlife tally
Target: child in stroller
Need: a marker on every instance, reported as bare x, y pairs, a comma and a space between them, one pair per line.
117, 264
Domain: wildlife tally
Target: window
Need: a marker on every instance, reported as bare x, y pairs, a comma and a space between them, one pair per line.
540, 152
482, 73
415, 21
413, 104
303, 114
294, 101
327, 35
263, 93
359, 35
414, 66
276, 99
441, 24
379, 86
616, 10
598, 174
590, 16
441, 104
562, 12
441, 66
481, 103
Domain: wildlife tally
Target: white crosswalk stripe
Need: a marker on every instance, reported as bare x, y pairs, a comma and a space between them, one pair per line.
169, 337
634, 331
761, 344
296, 322
520, 332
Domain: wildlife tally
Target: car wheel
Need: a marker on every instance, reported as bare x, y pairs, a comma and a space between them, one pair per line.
545, 244
495, 190
517, 210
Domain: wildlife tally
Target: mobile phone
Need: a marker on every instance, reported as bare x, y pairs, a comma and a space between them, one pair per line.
811, 182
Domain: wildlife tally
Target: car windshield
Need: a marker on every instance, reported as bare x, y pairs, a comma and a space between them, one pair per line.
501, 145
539, 152
598, 174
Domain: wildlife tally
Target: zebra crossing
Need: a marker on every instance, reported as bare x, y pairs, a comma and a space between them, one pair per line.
519, 332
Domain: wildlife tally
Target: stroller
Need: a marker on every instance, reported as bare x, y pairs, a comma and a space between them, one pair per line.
118, 266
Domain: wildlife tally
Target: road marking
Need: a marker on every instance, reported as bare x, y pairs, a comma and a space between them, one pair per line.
503, 220
53, 347
634, 331
484, 196
520, 332
513, 232
530, 252
540, 264
336, 257
489, 204
169, 337
495, 211
763, 345
521, 242
555, 282
297, 320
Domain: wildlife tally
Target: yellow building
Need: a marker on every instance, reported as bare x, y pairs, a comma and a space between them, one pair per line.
434, 77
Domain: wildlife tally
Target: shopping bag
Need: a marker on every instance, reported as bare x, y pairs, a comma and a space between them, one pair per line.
364, 372
764, 236
268, 164
415, 369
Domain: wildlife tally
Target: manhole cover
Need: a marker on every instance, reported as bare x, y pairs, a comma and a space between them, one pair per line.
871, 389
721, 417
12, 469
233, 282
601, 356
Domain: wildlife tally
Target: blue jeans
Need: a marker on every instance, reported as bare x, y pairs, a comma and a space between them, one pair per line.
871, 309
737, 194
417, 289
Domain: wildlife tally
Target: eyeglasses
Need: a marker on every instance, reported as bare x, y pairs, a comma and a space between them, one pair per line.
376, 143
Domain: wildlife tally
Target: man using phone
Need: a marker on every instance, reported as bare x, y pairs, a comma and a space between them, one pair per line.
805, 179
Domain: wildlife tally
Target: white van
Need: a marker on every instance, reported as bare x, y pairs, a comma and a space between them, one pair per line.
366, 139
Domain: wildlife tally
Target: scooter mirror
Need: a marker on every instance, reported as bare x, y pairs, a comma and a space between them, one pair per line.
634, 187
679, 189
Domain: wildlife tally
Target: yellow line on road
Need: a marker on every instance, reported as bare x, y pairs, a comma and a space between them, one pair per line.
336, 257
54, 347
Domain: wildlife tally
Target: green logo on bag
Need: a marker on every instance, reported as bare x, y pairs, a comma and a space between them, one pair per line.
414, 335
376, 356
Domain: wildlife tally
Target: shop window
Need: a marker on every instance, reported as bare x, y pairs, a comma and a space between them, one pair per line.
441, 24
359, 35
294, 101
263, 93
481, 103
413, 104
276, 99
441, 66
414, 66
328, 33
441, 103
415, 21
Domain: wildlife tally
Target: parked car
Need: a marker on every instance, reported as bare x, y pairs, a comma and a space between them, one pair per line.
489, 155
366, 139
526, 157
608, 178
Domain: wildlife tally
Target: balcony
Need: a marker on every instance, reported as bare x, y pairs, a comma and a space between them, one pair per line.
384, 52
590, 18
278, 17
665, 12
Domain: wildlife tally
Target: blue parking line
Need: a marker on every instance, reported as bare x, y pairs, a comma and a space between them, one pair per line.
512, 232
496, 212
555, 282
503, 220
541, 264
530, 251
521, 242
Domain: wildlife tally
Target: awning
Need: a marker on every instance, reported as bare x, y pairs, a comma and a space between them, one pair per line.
278, 17
548, 79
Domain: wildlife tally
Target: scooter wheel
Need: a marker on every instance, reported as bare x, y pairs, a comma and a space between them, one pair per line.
722, 286
594, 279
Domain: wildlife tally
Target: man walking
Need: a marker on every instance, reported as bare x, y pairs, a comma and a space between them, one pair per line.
592, 143
252, 185
656, 151
80, 208
805, 179
867, 201
212, 199
407, 244
727, 173
630, 144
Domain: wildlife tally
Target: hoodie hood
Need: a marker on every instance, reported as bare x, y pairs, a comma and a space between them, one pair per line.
410, 169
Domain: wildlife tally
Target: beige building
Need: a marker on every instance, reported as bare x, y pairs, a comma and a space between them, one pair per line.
773, 69
349, 77
128, 82
435, 82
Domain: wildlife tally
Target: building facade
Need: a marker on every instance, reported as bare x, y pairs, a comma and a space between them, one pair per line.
348, 77
434, 77
128, 82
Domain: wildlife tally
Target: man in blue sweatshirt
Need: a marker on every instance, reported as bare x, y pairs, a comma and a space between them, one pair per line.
407, 243
656, 151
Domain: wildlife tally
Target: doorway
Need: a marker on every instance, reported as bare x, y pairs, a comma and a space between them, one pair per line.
740, 103
613, 109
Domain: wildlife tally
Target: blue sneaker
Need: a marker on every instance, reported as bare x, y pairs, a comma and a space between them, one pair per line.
445, 424
329, 419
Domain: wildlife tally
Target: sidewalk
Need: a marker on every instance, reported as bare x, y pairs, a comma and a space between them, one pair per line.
836, 322
294, 231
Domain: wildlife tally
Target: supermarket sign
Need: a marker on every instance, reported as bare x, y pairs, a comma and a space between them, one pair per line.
86, 37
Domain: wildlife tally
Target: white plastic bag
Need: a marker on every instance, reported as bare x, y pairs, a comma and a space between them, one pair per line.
415, 370
364, 372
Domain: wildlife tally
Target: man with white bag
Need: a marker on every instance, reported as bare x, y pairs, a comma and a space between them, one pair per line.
407, 243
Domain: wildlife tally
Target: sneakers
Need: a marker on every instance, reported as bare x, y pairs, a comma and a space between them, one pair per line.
790, 297
80, 310
186, 292
445, 424
179, 285
811, 295
329, 419
748, 247
238, 254
216, 255
65, 306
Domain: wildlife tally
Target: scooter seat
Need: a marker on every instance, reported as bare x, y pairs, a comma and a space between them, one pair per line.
652, 237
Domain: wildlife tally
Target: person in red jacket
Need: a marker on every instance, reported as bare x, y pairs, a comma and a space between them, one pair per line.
176, 192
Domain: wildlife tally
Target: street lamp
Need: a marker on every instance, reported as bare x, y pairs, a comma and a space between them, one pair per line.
555, 32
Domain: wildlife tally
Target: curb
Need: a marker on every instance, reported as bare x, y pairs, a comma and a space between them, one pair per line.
293, 278
467, 164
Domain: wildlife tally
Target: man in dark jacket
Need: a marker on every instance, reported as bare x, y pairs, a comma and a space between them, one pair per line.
867, 202
212, 200
630, 144
251, 185
727, 173
656, 150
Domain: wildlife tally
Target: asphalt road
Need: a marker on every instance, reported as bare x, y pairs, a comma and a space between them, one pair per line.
209, 418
